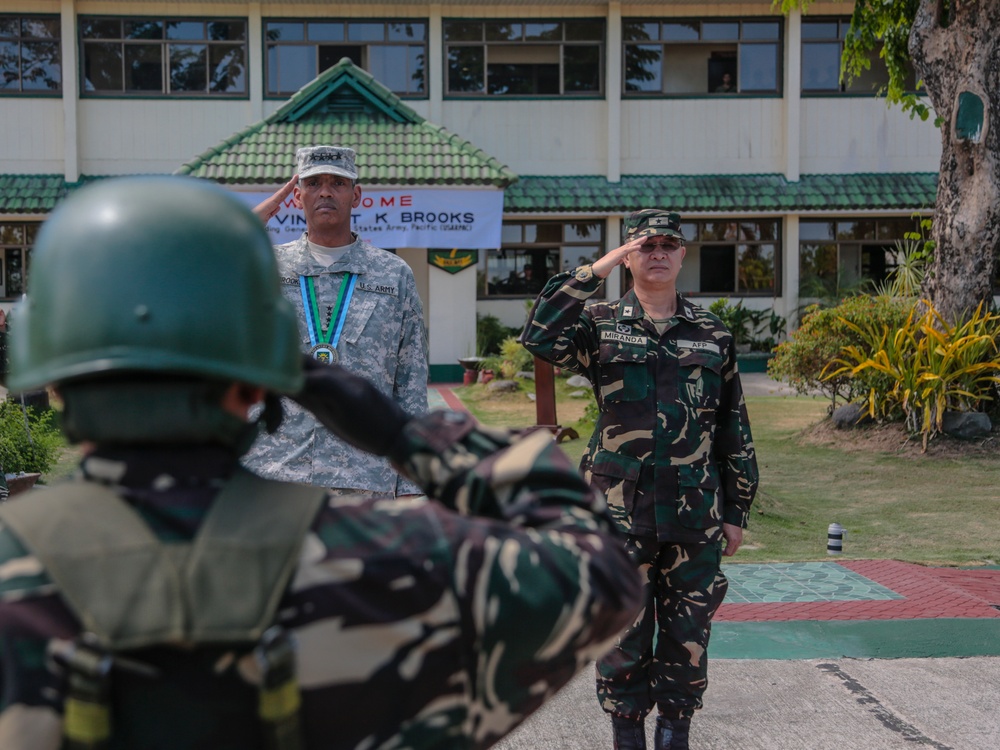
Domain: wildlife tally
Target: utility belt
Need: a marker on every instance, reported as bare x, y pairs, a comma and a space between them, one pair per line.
131, 591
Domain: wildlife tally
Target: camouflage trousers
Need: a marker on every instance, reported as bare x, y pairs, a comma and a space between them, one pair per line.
661, 659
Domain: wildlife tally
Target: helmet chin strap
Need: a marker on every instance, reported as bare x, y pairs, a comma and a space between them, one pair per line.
155, 412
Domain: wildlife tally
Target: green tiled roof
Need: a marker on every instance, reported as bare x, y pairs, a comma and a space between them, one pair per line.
345, 105
31, 193
723, 193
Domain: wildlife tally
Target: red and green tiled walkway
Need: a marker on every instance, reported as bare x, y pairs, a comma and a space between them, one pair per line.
857, 608
847, 608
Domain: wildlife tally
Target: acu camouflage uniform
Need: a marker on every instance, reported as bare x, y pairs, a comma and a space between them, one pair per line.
420, 624
672, 450
383, 340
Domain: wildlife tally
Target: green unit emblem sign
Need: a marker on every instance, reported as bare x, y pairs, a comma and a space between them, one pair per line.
453, 261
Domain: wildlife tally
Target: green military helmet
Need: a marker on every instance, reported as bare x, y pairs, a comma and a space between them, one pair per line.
155, 274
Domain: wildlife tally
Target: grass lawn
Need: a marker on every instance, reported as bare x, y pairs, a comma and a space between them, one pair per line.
918, 508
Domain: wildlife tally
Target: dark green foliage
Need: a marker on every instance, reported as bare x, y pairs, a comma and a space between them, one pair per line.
490, 335
800, 361
21, 451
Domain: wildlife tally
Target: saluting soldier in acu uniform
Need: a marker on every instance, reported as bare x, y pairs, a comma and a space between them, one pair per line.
356, 305
167, 598
673, 452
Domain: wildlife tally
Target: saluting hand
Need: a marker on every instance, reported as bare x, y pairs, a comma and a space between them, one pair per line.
270, 206
603, 265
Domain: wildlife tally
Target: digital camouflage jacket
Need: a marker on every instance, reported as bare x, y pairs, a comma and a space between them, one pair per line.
420, 624
382, 339
672, 448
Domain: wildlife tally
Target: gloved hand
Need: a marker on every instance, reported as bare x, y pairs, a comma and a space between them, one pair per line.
350, 407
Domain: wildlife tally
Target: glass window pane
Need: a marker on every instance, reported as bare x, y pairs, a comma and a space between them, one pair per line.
816, 230
584, 31
190, 30
11, 234
415, 58
388, 65
325, 32
579, 231
188, 67
510, 234
40, 28
143, 67
40, 67
101, 28
9, 28
758, 67
690, 231
465, 69
296, 66
579, 256
643, 67
227, 31
463, 31
10, 65
756, 268
102, 66
227, 66
503, 32
546, 32
895, 229
719, 230
855, 230
681, 31
581, 68
13, 273
820, 30
513, 79
817, 270
143, 29
640, 31
821, 66
285, 32
366, 32
761, 30
720, 31
407, 31
30, 230
543, 233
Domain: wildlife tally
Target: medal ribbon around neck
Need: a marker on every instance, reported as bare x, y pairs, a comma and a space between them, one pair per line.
326, 340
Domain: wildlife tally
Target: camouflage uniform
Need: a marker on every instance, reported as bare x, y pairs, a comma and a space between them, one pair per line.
672, 451
383, 340
419, 625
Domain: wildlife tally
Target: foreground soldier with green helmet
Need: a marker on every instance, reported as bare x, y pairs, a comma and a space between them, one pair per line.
167, 598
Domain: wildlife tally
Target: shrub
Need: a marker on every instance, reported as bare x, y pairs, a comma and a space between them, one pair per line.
490, 334
821, 338
925, 366
761, 329
512, 359
32, 448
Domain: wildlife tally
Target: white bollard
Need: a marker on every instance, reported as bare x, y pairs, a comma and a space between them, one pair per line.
835, 534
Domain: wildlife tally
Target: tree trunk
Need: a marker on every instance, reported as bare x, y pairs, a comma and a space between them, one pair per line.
960, 57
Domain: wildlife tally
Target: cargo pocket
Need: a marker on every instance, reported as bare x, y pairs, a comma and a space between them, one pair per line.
616, 476
698, 498
362, 306
701, 377
623, 375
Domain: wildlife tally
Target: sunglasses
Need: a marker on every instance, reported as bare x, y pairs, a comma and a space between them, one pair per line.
649, 247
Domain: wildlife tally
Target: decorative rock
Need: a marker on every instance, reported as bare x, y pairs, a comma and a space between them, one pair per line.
501, 386
849, 416
530, 395
577, 381
579, 394
526, 375
966, 425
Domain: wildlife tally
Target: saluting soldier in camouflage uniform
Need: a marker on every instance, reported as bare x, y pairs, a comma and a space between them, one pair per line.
673, 452
419, 623
357, 305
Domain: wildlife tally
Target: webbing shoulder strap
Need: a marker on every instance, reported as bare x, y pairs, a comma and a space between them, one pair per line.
131, 590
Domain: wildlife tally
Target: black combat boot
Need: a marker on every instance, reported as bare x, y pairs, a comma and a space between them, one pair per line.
671, 734
629, 734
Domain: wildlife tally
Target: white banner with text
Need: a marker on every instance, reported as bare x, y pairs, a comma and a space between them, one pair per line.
468, 219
